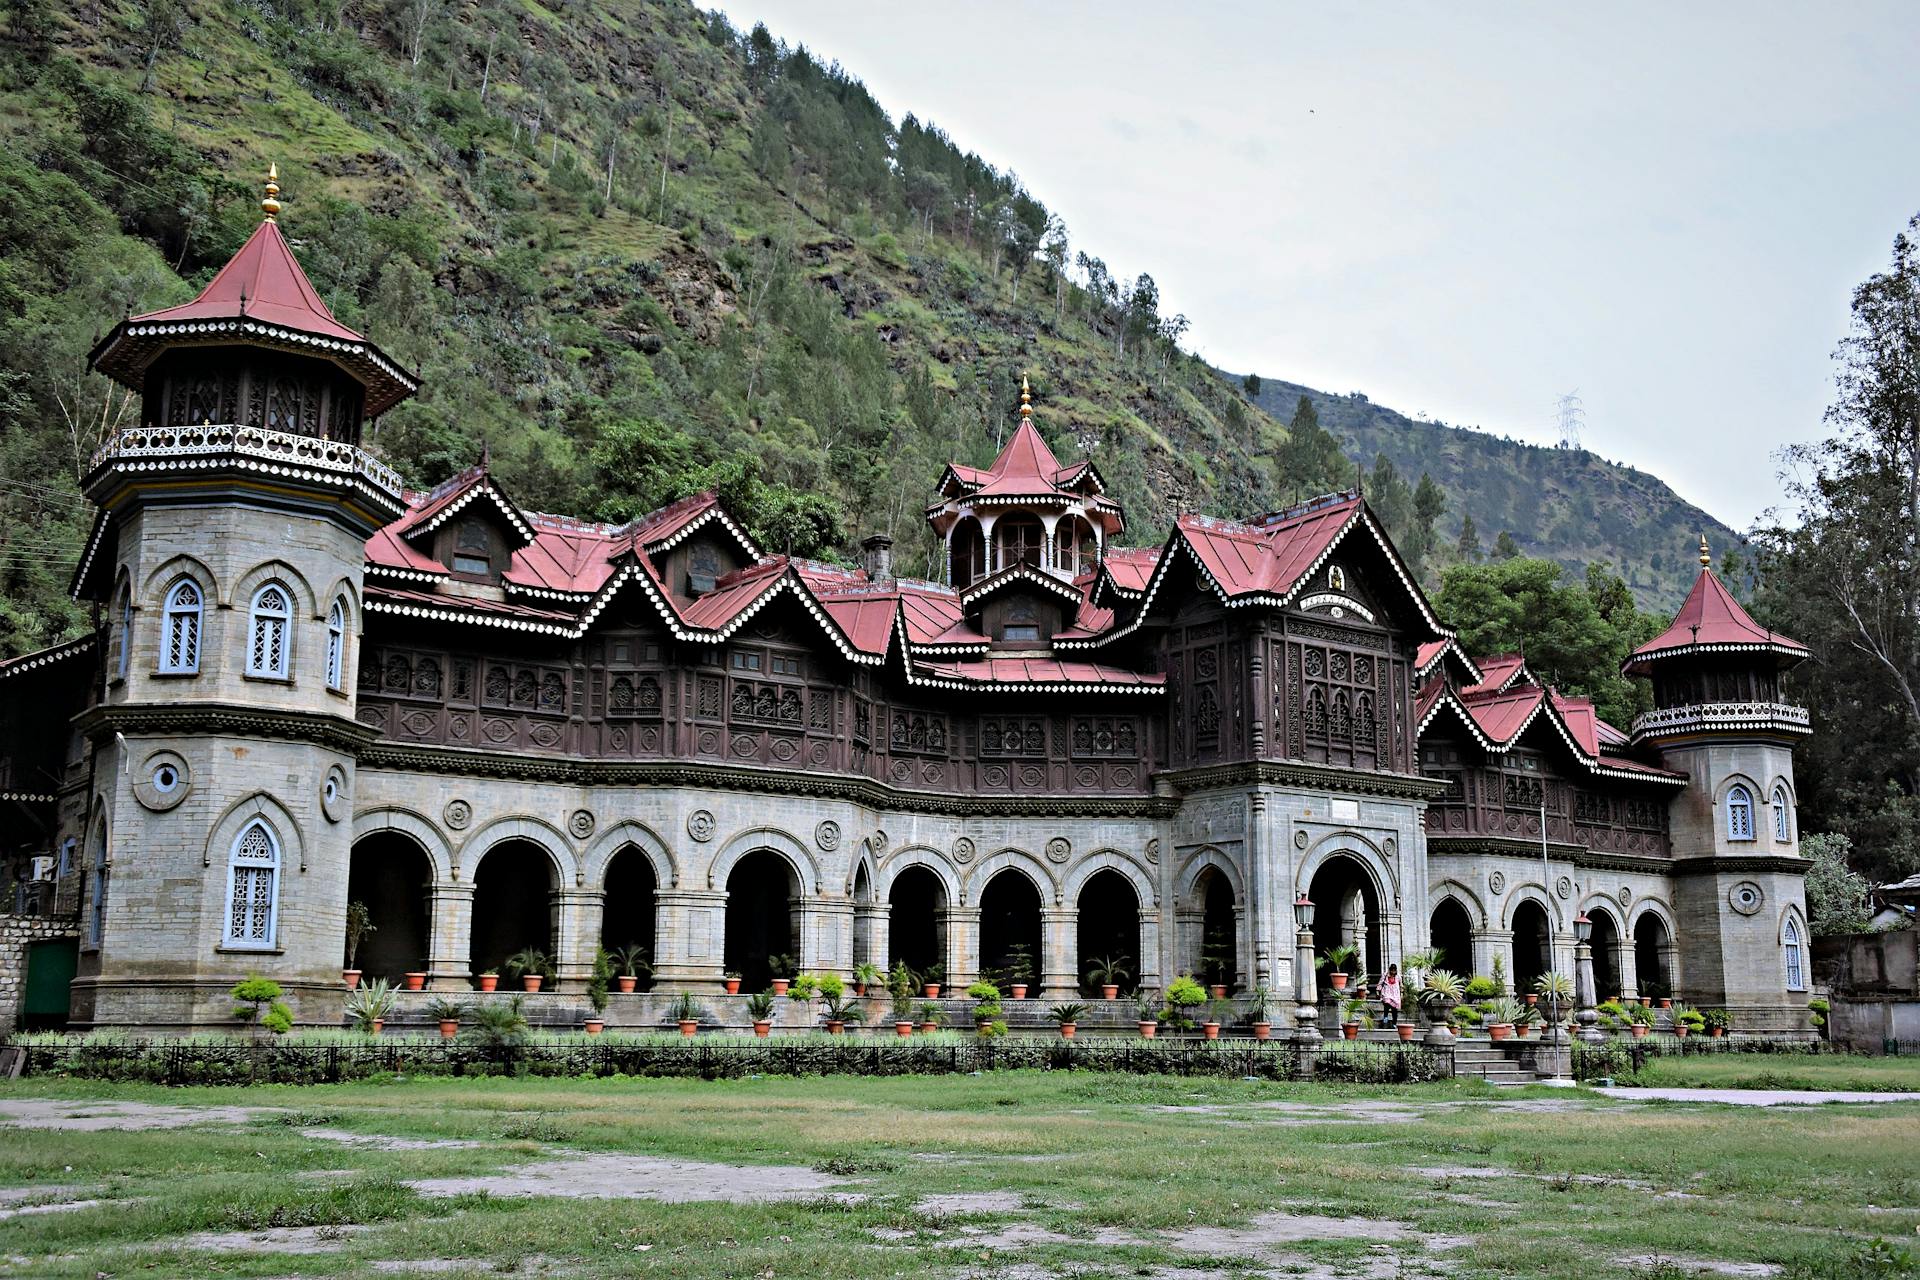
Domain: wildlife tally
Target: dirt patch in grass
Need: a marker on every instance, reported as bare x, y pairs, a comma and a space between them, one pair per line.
956, 1204
54, 1113
381, 1142
1698, 1266
322, 1239
632, 1177
1282, 1228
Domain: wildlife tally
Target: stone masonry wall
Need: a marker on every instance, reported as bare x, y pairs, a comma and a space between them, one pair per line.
15, 933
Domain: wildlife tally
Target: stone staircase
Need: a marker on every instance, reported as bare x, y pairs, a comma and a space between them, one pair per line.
1494, 1063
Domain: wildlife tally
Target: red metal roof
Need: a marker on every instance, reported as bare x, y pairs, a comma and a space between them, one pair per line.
1026, 671
262, 282
1128, 568
1267, 558
1500, 673
1711, 619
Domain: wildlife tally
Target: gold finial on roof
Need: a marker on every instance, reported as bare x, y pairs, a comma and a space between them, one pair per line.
1026, 398
270, 204
1706, 556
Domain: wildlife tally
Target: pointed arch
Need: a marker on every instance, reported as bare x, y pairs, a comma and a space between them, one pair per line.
161, 579
1122, 864
906, 857
270, 616
1795, 954
432, 841
629, 832
753, 839
982, 872
538, 831
182, 618
1187, 882
301, 602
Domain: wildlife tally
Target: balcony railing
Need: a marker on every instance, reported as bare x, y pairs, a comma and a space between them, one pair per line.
1710, 716
135, 444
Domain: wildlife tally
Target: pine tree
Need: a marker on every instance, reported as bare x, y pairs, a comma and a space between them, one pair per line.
1469, 543
1504, 547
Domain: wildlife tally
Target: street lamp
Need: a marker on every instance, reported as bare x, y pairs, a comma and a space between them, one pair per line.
1587, 1017
1306, 1013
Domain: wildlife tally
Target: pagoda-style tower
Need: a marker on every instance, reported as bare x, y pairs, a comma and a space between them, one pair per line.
228, 551
1023, 509
1738, 876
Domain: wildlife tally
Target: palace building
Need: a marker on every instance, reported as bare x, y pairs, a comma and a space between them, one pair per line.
501, 729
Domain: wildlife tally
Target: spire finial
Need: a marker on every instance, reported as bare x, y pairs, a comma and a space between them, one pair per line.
1026, 399
270, 203
1706, 556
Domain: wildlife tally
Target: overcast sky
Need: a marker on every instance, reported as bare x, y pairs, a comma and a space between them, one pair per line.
1462, 210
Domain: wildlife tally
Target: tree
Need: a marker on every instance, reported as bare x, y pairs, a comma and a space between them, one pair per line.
1838, 897
1310, 462
255, 994
1504, 547
1468, 544
1251, 385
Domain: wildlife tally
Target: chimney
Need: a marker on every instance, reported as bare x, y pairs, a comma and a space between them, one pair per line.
876, 557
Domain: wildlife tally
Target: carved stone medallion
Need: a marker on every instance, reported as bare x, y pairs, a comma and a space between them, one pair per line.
1746, 897
1058, 849
1153, 852
1299, 839
1497, 881
700, 825
963, 850
458, 814
581, 824
827, 835
1564, 887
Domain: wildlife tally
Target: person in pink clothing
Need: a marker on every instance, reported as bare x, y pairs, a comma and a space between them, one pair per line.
1390, 995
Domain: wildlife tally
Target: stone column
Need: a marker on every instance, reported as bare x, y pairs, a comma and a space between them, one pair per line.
872, 933
1306, 998
963, 947
689, 940
1258, 890
826, 936
1488, 943
578, 913
1625, 965
1242, 947
1060, 953
450, 935
1189, 927
1149, 978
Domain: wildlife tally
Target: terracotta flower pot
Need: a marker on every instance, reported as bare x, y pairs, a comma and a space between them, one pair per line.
859, 988
1680, 1029
1019, 990
1219, 990
1148, 1030
762, 1028
1499, 1030
1110, 991
903, 1029
532, 981
688, 1026
834, 1028
626, 983
1405, 1029
416, 981
1212, 1029
780, 986
733, 986
488, 981
1339, 981
933, 991
1716, 1032
1067, 1029
1262, 1030
1351, 1030
928, 1028
376, 1024
449, 1028
595, 1026
1646, 1002
1533, 998
351, 977
1640, 1031
1665, 1003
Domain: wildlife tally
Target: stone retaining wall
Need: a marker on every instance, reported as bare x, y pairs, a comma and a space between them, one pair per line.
15, 933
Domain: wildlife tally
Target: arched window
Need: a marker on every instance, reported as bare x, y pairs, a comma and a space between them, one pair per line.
253, 887
125, 656
1796, 956
97, 913
336, 644
267, 646
1739, 813
180, 639
1782, 815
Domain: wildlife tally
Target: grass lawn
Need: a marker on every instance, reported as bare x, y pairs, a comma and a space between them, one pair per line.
1010, 1175
1781, 1071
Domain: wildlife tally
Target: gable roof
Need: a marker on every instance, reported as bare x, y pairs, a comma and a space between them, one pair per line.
1497, 720
1710, 620
1433, 654
261, 293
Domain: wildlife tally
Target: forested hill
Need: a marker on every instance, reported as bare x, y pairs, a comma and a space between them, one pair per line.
632, 252
1566, 505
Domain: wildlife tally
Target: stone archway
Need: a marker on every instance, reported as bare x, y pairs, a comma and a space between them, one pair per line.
1450, 932
1108, 930
628, 918
1532, 944
1010, 928
917, 921
763, 925
513, 907
1347, 912
1606, 955
392, 876
1652, 947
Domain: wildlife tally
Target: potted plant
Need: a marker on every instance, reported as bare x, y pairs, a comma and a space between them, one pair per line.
630, 963
597, 996
901, 984
1109, 973
903, 1015
1334, 960
488, 980
838, 1010
1405, 1028
1359, 984
780, 969
1525, 1018
1218, 1011
1217, 962
760, 1010
1019, 970
370, 1006
1718, 1022
930, 983
1502, 1017
1666, 1002
986, 1007
416, 979
359, 925
1440, 991
1147, 1010
529, 965
732, 982
257, 1000
448, 1014
686, 1011
1258, 1001
1353, 1013
802, 987
1414, 964
930, 1018
1686, 1020
864, 976
1640, 1017
1067, 1017
1183, 996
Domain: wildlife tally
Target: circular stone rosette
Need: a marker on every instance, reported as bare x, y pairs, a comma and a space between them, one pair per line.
700, 825
827, 835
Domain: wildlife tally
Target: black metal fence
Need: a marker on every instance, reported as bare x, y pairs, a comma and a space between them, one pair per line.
199, 1062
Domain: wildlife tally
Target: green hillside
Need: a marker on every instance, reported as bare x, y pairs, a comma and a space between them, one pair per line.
633, 253
1566, 505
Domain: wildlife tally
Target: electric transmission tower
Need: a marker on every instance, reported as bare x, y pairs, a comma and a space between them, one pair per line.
1573, 419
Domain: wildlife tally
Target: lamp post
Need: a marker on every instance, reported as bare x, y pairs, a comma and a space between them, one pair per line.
1306, 1013
1587, 1017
